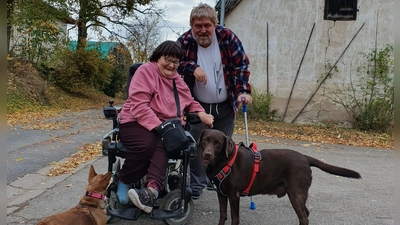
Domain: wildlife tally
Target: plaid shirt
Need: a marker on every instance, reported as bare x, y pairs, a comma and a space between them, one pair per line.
234, 61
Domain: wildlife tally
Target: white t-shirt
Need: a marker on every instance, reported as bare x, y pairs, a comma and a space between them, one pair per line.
209, 60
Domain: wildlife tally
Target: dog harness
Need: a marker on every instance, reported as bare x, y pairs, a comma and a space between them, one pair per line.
217, 179
95, 195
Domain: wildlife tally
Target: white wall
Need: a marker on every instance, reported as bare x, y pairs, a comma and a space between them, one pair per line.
19, 39
289, 27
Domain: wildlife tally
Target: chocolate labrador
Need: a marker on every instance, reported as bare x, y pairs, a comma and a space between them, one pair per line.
240, 171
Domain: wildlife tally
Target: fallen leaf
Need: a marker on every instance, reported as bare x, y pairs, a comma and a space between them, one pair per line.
85, 153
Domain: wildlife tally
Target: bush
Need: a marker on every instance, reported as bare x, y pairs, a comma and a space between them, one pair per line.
259, 108
370, 102
120, 58
374, 108
76, 71
376, 116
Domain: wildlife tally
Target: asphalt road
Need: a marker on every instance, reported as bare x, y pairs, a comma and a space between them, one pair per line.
333, 200
29, 150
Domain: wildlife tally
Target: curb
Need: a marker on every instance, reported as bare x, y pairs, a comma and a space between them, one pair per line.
33, 185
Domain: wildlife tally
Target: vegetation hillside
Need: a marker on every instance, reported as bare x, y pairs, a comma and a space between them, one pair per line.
29, 93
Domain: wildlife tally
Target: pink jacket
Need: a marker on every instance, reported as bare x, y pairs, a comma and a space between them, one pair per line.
151, 98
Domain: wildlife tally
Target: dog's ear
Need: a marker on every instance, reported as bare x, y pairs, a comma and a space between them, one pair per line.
92, 172
199, 148
106, 178
229, 146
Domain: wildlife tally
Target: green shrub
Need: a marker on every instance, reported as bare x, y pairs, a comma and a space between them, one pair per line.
120, 58
76, 71
374, 108
259, 108
36, 29
376, 116
370, 101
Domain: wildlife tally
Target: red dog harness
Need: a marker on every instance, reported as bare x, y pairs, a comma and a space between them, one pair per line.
217, 180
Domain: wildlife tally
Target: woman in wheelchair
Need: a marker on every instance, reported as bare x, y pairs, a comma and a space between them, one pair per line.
150, 102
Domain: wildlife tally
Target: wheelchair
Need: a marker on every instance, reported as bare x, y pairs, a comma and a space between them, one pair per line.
174, 205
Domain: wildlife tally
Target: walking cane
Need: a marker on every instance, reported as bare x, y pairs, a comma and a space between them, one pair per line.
244, 107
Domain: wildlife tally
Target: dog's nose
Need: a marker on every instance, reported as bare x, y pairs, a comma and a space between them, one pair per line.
207, 154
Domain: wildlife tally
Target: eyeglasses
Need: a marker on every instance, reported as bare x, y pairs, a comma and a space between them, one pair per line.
169, 61
199, 26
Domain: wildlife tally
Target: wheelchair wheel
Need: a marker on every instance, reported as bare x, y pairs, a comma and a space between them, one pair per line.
113, 201
171, 202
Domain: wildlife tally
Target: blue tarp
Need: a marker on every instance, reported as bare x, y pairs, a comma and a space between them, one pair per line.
103, 47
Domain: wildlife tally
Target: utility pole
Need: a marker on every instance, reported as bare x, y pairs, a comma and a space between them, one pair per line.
222, 13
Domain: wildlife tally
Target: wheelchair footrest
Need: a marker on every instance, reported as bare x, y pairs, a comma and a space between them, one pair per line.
166, 214
126, 213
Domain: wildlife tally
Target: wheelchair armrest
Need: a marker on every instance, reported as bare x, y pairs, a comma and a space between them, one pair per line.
109, 134
121, 150
192, 145
192, 118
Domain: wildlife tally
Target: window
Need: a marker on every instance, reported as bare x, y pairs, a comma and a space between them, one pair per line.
340, 10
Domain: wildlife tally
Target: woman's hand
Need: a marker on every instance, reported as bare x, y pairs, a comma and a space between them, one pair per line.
205, 118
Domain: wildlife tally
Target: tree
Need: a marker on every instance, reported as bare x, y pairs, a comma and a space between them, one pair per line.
121, 60
32, 27
145, 36
37, 21
103, 14
10, 10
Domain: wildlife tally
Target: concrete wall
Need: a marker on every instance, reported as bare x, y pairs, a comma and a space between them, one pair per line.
289, 27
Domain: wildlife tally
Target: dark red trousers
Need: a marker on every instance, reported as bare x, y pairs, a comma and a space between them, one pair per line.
146, 156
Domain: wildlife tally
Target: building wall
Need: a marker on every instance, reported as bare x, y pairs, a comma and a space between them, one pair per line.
19, 39
289, 27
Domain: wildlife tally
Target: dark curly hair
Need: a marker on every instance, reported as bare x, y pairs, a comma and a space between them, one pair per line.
167, 48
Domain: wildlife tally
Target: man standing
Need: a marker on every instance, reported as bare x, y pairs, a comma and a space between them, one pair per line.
215, 67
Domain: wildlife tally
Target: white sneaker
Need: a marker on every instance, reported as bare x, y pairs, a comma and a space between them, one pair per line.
144, 199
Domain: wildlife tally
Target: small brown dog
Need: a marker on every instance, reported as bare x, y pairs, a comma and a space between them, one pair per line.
91, 208
237, 170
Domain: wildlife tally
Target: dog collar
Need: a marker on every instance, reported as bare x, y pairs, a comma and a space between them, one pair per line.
95, 195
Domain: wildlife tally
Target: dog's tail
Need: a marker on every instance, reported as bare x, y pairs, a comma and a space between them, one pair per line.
340, 171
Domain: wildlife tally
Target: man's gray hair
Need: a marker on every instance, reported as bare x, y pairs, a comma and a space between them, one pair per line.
203, 11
